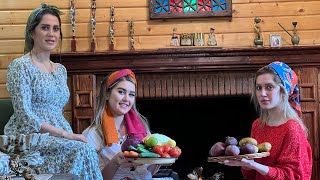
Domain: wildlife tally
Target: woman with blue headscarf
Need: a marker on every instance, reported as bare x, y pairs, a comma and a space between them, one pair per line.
276, 96
38, 89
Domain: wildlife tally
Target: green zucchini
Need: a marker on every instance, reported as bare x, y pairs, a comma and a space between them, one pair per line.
149, 154
141, 149
132, 148
141, 145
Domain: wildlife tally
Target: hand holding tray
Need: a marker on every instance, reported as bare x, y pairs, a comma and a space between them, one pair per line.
239, 157
159, 161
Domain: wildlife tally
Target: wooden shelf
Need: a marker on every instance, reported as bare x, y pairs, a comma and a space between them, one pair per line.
189, 59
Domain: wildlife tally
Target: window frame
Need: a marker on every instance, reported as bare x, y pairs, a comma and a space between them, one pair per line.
183, 15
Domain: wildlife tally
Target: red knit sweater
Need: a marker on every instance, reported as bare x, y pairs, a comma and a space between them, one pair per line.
290, 155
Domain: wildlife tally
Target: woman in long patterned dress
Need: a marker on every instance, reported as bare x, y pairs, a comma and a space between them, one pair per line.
39, 92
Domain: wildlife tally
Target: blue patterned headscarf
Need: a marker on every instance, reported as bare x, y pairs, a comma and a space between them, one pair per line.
28, 38
290, 81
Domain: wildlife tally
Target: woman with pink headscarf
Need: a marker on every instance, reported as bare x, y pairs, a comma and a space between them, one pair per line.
116, 119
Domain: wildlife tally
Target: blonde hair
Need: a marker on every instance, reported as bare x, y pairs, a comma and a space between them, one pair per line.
102, 103
287, 110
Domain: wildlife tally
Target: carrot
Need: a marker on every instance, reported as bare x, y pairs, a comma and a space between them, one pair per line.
126, 153
133, 154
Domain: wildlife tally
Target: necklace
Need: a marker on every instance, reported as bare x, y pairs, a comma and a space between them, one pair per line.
47, 69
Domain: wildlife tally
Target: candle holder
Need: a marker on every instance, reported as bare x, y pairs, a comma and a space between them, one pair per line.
295, 39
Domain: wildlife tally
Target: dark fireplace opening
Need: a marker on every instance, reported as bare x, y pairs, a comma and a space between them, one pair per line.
196, 124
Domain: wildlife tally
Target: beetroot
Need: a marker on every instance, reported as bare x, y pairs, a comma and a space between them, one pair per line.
232, 150
248, 149
217, 149
131, 140
231, 141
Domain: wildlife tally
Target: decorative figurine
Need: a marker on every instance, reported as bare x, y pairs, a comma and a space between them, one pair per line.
186, 39
217, 176
198, 39
93, 25
111, 30
196, 174
73, 26
174, 38
295, 39
131, 34
258, 41
212, 38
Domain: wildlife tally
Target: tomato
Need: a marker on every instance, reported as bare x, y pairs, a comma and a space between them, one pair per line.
175, 152
166, 148
165, 155
158, 149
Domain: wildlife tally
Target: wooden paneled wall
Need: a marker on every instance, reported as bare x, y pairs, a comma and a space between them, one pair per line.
235, 32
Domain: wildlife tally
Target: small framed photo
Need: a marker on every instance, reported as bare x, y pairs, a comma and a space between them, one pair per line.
275, 40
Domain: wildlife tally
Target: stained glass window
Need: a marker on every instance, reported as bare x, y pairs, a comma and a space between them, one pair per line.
166, 9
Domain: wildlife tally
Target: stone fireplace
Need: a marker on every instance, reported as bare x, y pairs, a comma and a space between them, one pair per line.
196, 124
190, 87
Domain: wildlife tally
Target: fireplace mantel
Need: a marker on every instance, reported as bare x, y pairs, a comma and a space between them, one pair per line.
193, 73
189, 59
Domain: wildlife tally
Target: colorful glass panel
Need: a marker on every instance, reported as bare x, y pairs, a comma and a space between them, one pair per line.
176, 5
170, 9
204, 5
162, 6
218, 5
189, 5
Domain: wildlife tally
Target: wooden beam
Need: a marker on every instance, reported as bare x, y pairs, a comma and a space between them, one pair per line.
189, 59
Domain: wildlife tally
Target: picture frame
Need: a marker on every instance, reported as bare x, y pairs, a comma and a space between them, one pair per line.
275, 40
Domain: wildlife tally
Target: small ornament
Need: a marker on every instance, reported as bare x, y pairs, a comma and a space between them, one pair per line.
198, 39
295, 39
131, 34
258, 41
174, 38
275, 40
93, 25
186, 39
218, 176
212, 38
73, 26
196, 174
111, 30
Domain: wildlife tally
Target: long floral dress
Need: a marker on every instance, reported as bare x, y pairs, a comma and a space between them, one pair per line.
39, 97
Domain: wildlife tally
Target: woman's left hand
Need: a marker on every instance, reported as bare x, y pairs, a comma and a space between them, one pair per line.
80, 137
77, 137
245, 163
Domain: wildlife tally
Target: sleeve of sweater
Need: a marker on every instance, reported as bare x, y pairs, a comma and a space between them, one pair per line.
290, 164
